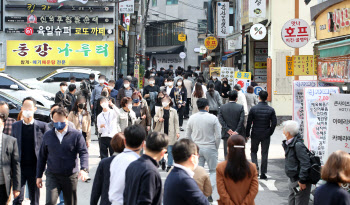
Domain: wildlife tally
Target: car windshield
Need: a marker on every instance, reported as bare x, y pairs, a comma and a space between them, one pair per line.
47, 75
21, 83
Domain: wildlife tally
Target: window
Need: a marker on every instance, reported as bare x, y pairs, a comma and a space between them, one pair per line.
80, 76
202, 26
154, 3
61, 77
164, 34
5, 83
170, 2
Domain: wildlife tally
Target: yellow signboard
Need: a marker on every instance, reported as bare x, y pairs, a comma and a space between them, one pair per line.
60, 53
211, 43
243, 75
182, 37
289, 66
303, 65
315, 64
215, 70
260, 65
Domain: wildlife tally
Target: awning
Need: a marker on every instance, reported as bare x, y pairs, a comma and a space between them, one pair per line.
339, 48
225, 57
165, 49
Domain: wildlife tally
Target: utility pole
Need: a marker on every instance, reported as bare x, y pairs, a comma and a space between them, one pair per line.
116, 31
132, 39
296, 50
143, 31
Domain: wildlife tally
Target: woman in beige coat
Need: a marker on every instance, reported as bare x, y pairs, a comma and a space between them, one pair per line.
167, 122
81, 119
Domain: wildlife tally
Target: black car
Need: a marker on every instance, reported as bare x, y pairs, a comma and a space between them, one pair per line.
42, 113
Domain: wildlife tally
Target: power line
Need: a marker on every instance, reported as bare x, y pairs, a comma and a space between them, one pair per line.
175, 17
190, 5
195, 29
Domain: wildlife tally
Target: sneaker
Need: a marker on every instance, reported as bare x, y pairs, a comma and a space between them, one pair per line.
263, 176
210, 199
182, 129
163, 165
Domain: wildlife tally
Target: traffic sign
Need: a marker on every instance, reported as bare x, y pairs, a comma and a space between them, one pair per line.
258, 31
211, 43
182, 37
182, 55
296, 33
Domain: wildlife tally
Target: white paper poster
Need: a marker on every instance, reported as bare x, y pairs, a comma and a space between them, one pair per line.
126, 7
338, 134
257, 8
223, 15
229, 73
316, 118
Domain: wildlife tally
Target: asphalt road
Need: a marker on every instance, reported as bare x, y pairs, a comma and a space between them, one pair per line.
272, 191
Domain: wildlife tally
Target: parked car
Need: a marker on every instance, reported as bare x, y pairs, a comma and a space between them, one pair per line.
19, 90
51, 82
15, 105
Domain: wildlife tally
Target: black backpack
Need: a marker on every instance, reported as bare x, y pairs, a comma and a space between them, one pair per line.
315, 169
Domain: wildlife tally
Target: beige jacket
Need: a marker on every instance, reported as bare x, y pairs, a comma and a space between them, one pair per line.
194, 104
86, 123
123, 118
203, 180
173, 124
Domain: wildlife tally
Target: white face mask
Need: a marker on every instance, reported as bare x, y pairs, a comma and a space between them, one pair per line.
64, 88
165, 104
214, 77
166, 84
170, 84
104, 105
101, 81
110, 87
129, 106
126, 85
92, 81
151, 82
28, 113
179, 83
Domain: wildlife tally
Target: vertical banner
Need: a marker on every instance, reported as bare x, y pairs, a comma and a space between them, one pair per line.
316, 118
126, 7
257, 8
338, 130
223, 13
243, 79
298, 101
289, 66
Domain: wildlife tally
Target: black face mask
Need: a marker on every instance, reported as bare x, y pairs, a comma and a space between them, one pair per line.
104, 93
81, 105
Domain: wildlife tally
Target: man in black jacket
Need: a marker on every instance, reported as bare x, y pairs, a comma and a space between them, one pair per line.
143, 184
231, 118
214, 80
263, 118
297, 164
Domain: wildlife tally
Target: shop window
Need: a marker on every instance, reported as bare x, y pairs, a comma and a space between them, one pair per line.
170, 2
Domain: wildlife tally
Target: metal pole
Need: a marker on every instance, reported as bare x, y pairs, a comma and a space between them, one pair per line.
296, 50
116, 31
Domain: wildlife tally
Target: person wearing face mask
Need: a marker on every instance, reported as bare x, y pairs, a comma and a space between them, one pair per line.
10, 169
92, 82
72, 88
167, 122
127, 116
141, 111
125, 91
150, 93
95, 95
207, 135
81, 119
73, 80
169, 85
225, 89
104, 94
143, 184
108, 126
51, 124
180, 187
179, 96
159, 102
59, 155
61, 96
214, 80
4, 109
29, 134
113, 92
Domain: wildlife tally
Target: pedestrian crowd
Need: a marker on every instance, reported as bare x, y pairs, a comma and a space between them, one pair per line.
139, 132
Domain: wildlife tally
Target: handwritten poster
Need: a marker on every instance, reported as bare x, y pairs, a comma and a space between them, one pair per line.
338, 131
316, 118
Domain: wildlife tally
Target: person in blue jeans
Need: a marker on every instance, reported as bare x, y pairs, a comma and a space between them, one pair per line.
61, 199
167, 121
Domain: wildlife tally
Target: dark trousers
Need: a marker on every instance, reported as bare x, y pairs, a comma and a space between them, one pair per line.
28, 175
188, 104
225, 146
181, 112
56, 183
265, 144
3, 195
105, 146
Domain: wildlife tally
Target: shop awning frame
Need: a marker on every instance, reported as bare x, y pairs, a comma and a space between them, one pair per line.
225, 57
340, 48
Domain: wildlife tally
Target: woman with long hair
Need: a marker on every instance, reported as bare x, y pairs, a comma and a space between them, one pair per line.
179, 96
81, 119
214, 99
197, 94
252, 100
141, 110
236, 178
336, 172
225, 89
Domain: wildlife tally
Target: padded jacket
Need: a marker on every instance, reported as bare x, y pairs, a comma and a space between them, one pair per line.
263, 118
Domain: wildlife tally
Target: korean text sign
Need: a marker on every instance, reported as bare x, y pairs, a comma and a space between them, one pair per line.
303, 65
257, 8
243, 79
223, 19
126, 7
60, 53
296, 33
338, 131
316, 106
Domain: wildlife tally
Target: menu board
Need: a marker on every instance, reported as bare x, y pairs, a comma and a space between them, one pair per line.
316, 118
303, 65
229, 73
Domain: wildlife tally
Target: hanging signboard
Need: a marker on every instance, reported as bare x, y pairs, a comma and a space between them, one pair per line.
215, 70
289, 66
243, 79
34, 7
58, 19
59, 53
296, 33
202, 50
229, 73
260, 79
260, 58
223, 14
257, 8
126, 7
182, 37
259, 65
338, 129
211, 43
64, 31
316, 118
260, 72
303, 65
258, 31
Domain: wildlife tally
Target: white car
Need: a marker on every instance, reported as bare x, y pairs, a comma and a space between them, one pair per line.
51, 82
19, 90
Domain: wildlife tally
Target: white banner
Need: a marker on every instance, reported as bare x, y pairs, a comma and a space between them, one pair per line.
316, 118
223, 14
229, 73
126, 7
257, 8
338, 131
235, 43
164, 60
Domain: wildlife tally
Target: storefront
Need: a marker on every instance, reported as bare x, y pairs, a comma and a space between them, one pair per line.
163, 56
